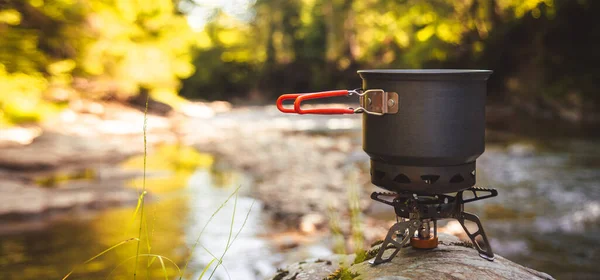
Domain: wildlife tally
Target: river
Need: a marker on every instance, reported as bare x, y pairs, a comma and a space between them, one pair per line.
546, 216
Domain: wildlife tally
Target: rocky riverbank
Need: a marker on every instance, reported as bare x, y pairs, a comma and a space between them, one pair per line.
298, 171
452, 259
304, 167
81, 146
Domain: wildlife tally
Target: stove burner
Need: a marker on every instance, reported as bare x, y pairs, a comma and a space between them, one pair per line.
417, 213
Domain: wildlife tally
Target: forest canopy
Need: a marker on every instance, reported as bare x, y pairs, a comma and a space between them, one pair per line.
55, 51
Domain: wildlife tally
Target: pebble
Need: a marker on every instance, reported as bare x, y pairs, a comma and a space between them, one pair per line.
312, 222
522, 150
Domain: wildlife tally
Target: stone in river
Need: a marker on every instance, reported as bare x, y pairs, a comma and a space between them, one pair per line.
451, 260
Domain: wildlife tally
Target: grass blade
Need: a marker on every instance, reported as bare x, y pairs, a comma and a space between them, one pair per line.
204, 228
232, 222
243, 224
216, 258
207, 251
206, 268
234, 238
228, 238
151, 261
143, 255
148, 247
137, 251
137, 209
162, 263
101, 253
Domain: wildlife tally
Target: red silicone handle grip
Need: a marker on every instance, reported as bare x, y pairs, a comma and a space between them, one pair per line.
286, 97
322, 111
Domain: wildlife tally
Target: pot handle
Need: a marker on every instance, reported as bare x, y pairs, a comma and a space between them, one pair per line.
298, 98
322, 111
373, 101
286, 97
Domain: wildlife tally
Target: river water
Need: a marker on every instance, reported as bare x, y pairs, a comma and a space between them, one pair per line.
50, 246
547, 216
547, 213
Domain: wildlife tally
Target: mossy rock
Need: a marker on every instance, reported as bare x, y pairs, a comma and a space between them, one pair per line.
451, 260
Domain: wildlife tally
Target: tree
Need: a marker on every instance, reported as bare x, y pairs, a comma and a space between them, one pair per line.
63, 49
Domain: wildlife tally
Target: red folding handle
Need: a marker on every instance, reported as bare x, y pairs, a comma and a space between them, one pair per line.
322, 111
298, 98
286, 97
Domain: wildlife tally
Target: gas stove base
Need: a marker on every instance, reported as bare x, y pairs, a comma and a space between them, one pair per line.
417, 212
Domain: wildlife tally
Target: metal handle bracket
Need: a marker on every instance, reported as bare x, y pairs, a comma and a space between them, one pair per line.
378, 102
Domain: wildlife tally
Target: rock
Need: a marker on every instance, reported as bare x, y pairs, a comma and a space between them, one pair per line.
498, 113
287, 242
455, 229
220, 106
313, 268
312, 222
22, 198
18, 136
87, 107
154, 106
296, 173
521, 150
52, 150
451, 260
196, 110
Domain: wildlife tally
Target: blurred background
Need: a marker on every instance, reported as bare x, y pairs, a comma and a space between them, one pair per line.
75, 77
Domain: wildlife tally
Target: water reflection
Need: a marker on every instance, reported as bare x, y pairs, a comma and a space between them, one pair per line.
174, 220
250, 256
59, 178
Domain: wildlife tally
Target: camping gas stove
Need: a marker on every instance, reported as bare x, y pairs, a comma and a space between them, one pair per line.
423, 131
418, 216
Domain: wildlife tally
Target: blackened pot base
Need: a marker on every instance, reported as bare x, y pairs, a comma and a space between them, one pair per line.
423, 179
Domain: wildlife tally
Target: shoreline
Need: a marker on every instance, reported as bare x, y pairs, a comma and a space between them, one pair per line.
322, 154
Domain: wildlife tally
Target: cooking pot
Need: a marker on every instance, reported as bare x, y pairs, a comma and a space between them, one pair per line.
422, 129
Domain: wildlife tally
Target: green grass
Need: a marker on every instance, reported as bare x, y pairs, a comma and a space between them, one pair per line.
100, 254
355, 212
145, 128
356, 233
342, 273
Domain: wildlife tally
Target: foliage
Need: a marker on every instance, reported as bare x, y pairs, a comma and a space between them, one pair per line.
302, 45
553, 57
62, 49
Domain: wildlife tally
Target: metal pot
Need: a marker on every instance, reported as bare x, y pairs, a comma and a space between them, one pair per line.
422, 129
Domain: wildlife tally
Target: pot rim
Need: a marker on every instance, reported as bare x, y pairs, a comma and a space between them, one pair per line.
425, 74
425, 71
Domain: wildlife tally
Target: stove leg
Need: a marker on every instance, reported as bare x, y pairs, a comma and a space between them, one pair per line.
486, 251
390, 239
